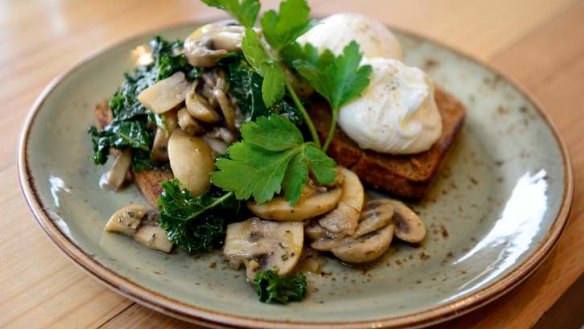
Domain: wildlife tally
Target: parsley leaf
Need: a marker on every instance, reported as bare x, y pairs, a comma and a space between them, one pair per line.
336, 78
286, 26
274, 84
245, 11
273, 156
195, 224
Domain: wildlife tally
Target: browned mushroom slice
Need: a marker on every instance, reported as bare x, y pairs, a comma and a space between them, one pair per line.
187, 123
199, 108
154, 237
212, 41
280, 209
408, 226
375, 216
364, 248
165, 94
226, 108
118, 173
343, 220
262, 244
127, 219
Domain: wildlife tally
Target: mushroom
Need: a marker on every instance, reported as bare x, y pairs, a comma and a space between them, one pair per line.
408, 226
365, 248
127, 219
224, 103
376, 215
199, 107
280, 209
154, 237
191, 161
262, 245
343, 220
165, 94
118, 173
160, 146
212, 41
187, 123
217, 145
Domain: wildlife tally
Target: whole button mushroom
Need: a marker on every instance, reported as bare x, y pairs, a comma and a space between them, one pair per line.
191, 161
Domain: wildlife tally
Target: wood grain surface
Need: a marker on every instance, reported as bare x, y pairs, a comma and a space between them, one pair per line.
539, 43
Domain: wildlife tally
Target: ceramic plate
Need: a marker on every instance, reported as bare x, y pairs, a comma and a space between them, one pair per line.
494, 212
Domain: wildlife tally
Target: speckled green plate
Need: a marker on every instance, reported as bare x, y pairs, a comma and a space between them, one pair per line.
496, 210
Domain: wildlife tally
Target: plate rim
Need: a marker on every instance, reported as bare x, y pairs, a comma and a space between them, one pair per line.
211, 318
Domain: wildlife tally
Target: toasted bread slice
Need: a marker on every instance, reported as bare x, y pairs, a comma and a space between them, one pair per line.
405, 176
148, 181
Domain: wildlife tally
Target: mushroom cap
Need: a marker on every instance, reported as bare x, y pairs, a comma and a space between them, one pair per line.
191, 161
280, 209
375, 216
343, 220
166, 94
127, 220
408, 225
263, 244
365, 248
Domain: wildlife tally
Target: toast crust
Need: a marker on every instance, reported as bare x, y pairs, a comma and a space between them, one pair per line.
405, 176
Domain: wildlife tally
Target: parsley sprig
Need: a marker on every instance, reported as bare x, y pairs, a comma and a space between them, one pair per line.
280, 30
272, 157
337, 78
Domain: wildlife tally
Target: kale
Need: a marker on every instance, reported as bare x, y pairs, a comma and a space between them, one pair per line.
133, 125
120, 135
245, 86
195, 224
273, 288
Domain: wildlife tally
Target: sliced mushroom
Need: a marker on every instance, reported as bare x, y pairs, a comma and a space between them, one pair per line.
118, 173
187, 123
165, 94
212, 41
191, 161
343, 220
223, 134
408, 226
376, 215
199, 108
365, 248
160, 146
218, 146
127, 219
154, 237
262, 245
280, 209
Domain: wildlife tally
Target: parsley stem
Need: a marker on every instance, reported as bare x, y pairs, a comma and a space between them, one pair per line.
305, 115
331, 132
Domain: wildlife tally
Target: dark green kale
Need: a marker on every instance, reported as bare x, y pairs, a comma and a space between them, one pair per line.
133, 125
245, 86
195, 224
273, 288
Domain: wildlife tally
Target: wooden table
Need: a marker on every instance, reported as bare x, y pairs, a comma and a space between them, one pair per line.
540, 43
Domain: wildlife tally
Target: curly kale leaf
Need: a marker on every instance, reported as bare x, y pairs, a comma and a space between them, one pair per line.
133, 125
273, 288
195, 224
245, 86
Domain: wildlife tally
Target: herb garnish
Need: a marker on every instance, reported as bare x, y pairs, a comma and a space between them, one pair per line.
272, 157
337, 78
273, 288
